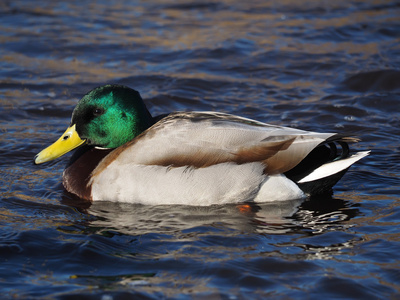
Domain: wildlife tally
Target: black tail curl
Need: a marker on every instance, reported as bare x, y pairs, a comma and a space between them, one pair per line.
334, 149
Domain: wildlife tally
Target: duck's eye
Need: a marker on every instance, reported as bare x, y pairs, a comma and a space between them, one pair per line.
98, 111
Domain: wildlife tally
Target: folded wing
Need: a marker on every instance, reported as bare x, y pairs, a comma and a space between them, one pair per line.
203, 139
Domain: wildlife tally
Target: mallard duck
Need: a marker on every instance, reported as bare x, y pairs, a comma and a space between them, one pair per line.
191, 158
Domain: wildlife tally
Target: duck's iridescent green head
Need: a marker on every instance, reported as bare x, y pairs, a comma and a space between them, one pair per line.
110, 116
106, 117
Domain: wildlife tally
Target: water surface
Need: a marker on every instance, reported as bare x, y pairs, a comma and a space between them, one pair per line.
316, 65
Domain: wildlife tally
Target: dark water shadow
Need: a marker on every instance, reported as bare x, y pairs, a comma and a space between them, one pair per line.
379, 81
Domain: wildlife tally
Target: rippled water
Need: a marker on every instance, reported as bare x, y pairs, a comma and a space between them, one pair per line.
316, 65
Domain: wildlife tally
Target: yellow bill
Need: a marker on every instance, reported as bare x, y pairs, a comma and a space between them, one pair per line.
68, 141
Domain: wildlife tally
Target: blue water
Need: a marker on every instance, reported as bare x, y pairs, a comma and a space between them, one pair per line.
316, 65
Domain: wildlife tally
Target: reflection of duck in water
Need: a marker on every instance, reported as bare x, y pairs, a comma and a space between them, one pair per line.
317, 214
193, 158
137, 219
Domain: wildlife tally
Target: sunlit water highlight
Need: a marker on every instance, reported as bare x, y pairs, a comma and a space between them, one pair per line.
316, 65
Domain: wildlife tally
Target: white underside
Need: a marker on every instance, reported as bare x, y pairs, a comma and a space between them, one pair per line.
217, 184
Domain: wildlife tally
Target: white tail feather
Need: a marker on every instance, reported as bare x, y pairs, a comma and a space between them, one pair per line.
334, 167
